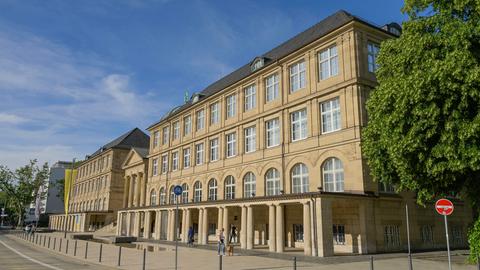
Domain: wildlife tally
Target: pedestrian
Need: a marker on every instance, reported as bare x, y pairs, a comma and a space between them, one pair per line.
191, 234
221, 242
233, 234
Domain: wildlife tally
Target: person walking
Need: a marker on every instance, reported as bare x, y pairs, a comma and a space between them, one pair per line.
191, 234
233, 234
221, 242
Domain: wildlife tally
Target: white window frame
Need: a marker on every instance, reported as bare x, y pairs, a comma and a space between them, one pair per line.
298, 125
155, 167
298, 76
166, 135
272, 182
372, 54
231, 105
249, 185
176, 130
214, 149
331, 115
250, 139
231, 145
272, 134
187, 125
197, 191
156, 139
300, 179
212, 189
214, 113
250, 94
186, 158
175, 161
164, 163
271, 87
200, 115
199, 153
333, 175
229, 188
184, 198
328, 62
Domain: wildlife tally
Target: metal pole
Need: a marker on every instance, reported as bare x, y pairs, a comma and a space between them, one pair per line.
410, 264
60, 245
448, 243
100, 255
119, 255
294, 263
49, 242
54, 242
75, 249
220, 264
371, 263
144, 257
86, 249
176, 232
66, 250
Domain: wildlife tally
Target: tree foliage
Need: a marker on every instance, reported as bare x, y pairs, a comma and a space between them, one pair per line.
423, 133
22, 185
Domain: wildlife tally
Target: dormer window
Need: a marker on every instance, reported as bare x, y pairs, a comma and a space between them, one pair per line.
257, 63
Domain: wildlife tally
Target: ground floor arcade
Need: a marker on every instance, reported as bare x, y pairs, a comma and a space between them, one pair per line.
320, 225
81, 222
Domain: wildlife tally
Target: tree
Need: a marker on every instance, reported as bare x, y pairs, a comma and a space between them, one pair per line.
423, 133
22, 185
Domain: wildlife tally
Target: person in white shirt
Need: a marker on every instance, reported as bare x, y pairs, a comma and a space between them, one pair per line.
221, 242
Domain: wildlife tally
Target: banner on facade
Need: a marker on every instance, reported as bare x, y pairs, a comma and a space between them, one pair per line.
69, 176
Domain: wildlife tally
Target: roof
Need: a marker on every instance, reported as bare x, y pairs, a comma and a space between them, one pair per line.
313, 33
143, 152
132, 138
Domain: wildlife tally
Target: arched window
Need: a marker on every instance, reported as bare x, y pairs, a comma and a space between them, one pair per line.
212, 189
249, 184
332, 171
173, 197
197, 192
184, 193
272, 182
153, 197
162, 196
229, 188
299, 178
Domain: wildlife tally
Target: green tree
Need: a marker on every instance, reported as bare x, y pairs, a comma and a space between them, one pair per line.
423, 133
22, 185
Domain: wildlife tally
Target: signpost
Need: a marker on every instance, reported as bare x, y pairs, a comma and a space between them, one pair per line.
177, 190
445, 207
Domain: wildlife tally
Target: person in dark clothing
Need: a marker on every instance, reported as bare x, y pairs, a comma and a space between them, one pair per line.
191, 234
233, 234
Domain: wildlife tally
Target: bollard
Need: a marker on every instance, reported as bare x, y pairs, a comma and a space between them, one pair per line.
119, 255
60, 245
410, 263
100, 255
49, 242
86, 249
54, 242
144, 257
44, 240
371, 262
294, 263
75, 249
36, 239
66, 250
220, 263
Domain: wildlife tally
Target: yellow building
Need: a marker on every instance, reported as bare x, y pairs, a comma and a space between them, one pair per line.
97, 192
272, 153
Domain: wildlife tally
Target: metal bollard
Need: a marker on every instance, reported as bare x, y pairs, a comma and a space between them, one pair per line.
294, 263
49, 242
86, 250
60, 245
66, 250
54, 242
100, 255
144, 258
44, 240
119, 255
220, 263
371, 263
75, 249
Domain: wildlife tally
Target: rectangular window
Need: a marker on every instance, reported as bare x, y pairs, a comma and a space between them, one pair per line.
391, 235
331, 120
214, 113
186, 158
250, 97
297, 76
175, 161
271, 87
165, 137
155, 167
372, 56
156, 138
200, 119
299, 125
427, 234
231, 145
214, 149
231, 105
273, 132
176, 130
164, 163
338, 234
187, 125
298, 232
199, 153
250, 139
328, 61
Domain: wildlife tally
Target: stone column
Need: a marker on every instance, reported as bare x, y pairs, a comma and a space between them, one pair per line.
324, 227
147, 225
367, 237
158, 224
250, 227
225, 225
143, 186
125, 192
137, 190
271, 228
200, 226
130, 191
136, 227
128, 225
188, 223
279, 230
184, 217
205, 226
307, 230
119, 223
169, 225
243, 231
220, 219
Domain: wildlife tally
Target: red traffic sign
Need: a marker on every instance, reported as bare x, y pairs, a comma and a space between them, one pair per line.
444, 207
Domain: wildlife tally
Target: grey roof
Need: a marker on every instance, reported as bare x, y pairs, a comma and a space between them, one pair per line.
143, 152
132, 138
313, 33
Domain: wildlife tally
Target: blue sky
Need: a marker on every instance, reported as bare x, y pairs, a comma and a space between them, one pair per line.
76, 74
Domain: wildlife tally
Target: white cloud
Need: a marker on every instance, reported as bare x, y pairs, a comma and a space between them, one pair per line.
11, 118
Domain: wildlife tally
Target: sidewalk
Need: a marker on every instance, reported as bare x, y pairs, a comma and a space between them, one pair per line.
162, 258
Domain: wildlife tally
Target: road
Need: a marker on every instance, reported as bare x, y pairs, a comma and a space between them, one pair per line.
16, 255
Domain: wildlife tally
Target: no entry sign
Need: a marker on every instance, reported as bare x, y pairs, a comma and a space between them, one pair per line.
444, 207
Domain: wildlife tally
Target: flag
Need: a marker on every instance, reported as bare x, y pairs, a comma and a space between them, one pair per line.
69, 176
